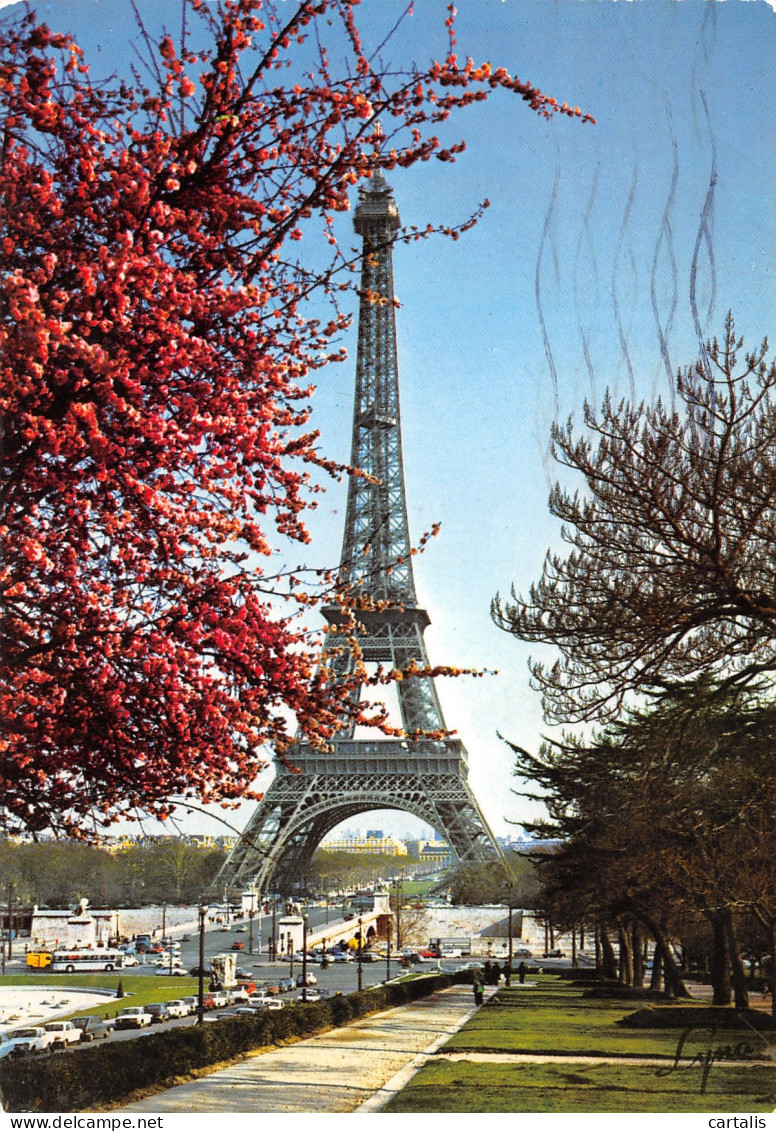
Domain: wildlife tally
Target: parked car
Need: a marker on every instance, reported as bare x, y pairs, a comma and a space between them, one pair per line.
92, 1026
310, 981
177, 1008
286, 985
220, 998
309, 995
65, 1032
343, 956
241, 972
159, 1011
370, 956
134, 1017
274, 1003
259, 1000
35, 1039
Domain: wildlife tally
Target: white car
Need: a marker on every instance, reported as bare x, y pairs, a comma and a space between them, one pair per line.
65, 1032
311, 980
309, 995
256, 1001
165, 971
134, 1017
34, 1039
6, 1045
177, 1008
130, 959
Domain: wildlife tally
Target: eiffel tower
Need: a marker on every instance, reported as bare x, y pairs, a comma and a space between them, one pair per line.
420, 775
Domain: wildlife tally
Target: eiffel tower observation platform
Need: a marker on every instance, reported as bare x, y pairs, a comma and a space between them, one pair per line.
424, 776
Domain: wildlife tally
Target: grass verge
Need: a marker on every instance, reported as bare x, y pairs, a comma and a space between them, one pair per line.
552, 1018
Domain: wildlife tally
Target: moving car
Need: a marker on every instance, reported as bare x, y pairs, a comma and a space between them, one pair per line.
92, 1026
134, 1017
34, 1039
65, 1032
177, 1008
158, 1010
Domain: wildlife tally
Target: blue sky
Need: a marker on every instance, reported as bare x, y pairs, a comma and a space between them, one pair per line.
583, 261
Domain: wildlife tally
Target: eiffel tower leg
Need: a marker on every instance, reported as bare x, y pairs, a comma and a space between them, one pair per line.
299, 810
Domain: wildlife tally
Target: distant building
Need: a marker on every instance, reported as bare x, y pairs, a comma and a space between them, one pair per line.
525, 845
71, 929
366, 841
431, 851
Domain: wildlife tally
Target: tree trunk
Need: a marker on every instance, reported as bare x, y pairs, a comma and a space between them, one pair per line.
656, 981
737, 972
637, 933
609, 961
720, 959
598, 952
626, 955
674, 983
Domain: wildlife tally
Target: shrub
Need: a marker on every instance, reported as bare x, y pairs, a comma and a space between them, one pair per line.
109, 1072
694, 1016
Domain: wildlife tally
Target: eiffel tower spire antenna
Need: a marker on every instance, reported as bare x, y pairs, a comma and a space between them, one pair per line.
425, 774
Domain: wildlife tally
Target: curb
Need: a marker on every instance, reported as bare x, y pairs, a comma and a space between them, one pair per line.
380, 1098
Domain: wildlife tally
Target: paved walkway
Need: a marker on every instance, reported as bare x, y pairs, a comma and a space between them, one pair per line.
353, 1068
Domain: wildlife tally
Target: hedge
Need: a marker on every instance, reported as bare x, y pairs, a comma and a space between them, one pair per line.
95, 1075
694, 1016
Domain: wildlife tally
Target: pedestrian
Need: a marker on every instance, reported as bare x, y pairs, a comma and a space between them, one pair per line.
486, 973
507, 974
522, 970
478, 989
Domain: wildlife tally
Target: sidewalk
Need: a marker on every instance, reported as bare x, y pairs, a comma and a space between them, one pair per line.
354, 1068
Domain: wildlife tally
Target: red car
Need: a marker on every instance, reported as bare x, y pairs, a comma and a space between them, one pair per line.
238, 946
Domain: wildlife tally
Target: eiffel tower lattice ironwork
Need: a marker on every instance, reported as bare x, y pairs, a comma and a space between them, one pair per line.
423, 776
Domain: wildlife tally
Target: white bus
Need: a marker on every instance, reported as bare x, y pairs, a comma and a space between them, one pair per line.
86, 961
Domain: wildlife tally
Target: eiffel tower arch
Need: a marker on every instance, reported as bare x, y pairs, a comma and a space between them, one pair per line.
426, 777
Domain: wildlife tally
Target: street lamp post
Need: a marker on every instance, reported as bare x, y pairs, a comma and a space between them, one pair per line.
360, 962
201, 999
509, 942
304, 957
251, 913
388, 955
273, 946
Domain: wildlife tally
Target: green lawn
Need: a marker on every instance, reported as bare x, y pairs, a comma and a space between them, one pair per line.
143, 988
462, 1086
553, 1018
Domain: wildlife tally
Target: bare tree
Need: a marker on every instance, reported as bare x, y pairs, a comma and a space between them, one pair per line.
671, 566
